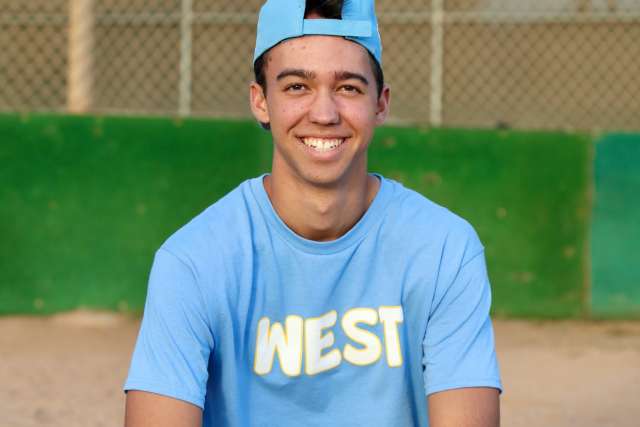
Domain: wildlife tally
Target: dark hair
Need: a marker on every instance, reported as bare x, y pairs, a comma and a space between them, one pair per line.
328, 9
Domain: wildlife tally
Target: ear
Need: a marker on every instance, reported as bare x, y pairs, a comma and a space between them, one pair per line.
382, 110
258, 102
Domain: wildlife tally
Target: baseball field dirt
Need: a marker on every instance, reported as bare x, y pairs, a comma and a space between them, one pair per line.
67, 370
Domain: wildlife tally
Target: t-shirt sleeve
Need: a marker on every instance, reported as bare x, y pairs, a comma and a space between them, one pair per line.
175, 341
459, 345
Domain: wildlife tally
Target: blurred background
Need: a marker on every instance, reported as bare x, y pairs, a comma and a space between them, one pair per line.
120, 120
545, 64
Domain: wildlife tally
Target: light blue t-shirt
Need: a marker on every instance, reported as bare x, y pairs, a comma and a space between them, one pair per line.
261, 327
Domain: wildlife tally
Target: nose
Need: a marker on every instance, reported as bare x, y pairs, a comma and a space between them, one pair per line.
323, 109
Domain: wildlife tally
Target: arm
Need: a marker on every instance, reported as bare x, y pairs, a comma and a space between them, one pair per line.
153, 410
166, 385
465, 407
462, 378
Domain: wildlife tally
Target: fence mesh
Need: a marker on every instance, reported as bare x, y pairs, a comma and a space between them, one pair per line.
535, 64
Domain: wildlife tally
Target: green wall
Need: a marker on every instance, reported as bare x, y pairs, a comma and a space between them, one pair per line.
616, 227
525, 192
86, 202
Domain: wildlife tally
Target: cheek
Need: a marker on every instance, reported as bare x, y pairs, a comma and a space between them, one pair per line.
360, 116
286, 114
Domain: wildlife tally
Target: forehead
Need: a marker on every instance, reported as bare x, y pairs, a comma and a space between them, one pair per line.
319, 54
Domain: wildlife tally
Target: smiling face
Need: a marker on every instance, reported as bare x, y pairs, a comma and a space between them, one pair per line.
322, 105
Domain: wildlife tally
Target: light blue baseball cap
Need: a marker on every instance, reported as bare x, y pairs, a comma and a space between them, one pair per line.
284, 19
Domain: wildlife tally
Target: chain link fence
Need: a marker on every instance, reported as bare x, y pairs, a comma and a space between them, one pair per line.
533, 64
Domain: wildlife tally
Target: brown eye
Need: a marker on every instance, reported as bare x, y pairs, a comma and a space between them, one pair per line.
295, 87
350, 89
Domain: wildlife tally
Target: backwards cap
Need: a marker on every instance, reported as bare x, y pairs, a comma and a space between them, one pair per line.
284, 19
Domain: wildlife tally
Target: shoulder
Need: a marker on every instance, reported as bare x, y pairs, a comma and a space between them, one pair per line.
215, 230
421, 222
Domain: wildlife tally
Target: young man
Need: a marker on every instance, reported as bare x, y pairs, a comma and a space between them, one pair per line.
318, 294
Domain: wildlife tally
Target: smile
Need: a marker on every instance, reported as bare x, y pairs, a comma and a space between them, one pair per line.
323, 145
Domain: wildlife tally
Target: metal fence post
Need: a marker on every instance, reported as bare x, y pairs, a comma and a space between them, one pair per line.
80, 51
185, 85
437, 57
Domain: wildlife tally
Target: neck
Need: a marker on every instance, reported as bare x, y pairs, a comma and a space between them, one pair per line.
321, 213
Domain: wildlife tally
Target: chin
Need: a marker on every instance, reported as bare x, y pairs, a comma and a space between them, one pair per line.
325, 178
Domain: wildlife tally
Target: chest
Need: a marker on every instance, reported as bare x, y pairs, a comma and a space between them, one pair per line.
293, 314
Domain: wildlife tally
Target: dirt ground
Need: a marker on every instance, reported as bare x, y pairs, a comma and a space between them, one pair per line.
68, 370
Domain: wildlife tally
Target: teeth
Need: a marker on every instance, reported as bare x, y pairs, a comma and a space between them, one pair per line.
322, 145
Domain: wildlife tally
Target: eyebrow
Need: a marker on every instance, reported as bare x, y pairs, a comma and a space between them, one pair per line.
296, 72
348, 75
310, 75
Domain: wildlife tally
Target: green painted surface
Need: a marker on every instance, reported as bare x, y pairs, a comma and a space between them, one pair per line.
525, 193
615, 244
86, 202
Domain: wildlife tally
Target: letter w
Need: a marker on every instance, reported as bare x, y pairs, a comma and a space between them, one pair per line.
273, 339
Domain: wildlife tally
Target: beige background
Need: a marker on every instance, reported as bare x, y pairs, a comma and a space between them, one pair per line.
67, 371
570, 67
